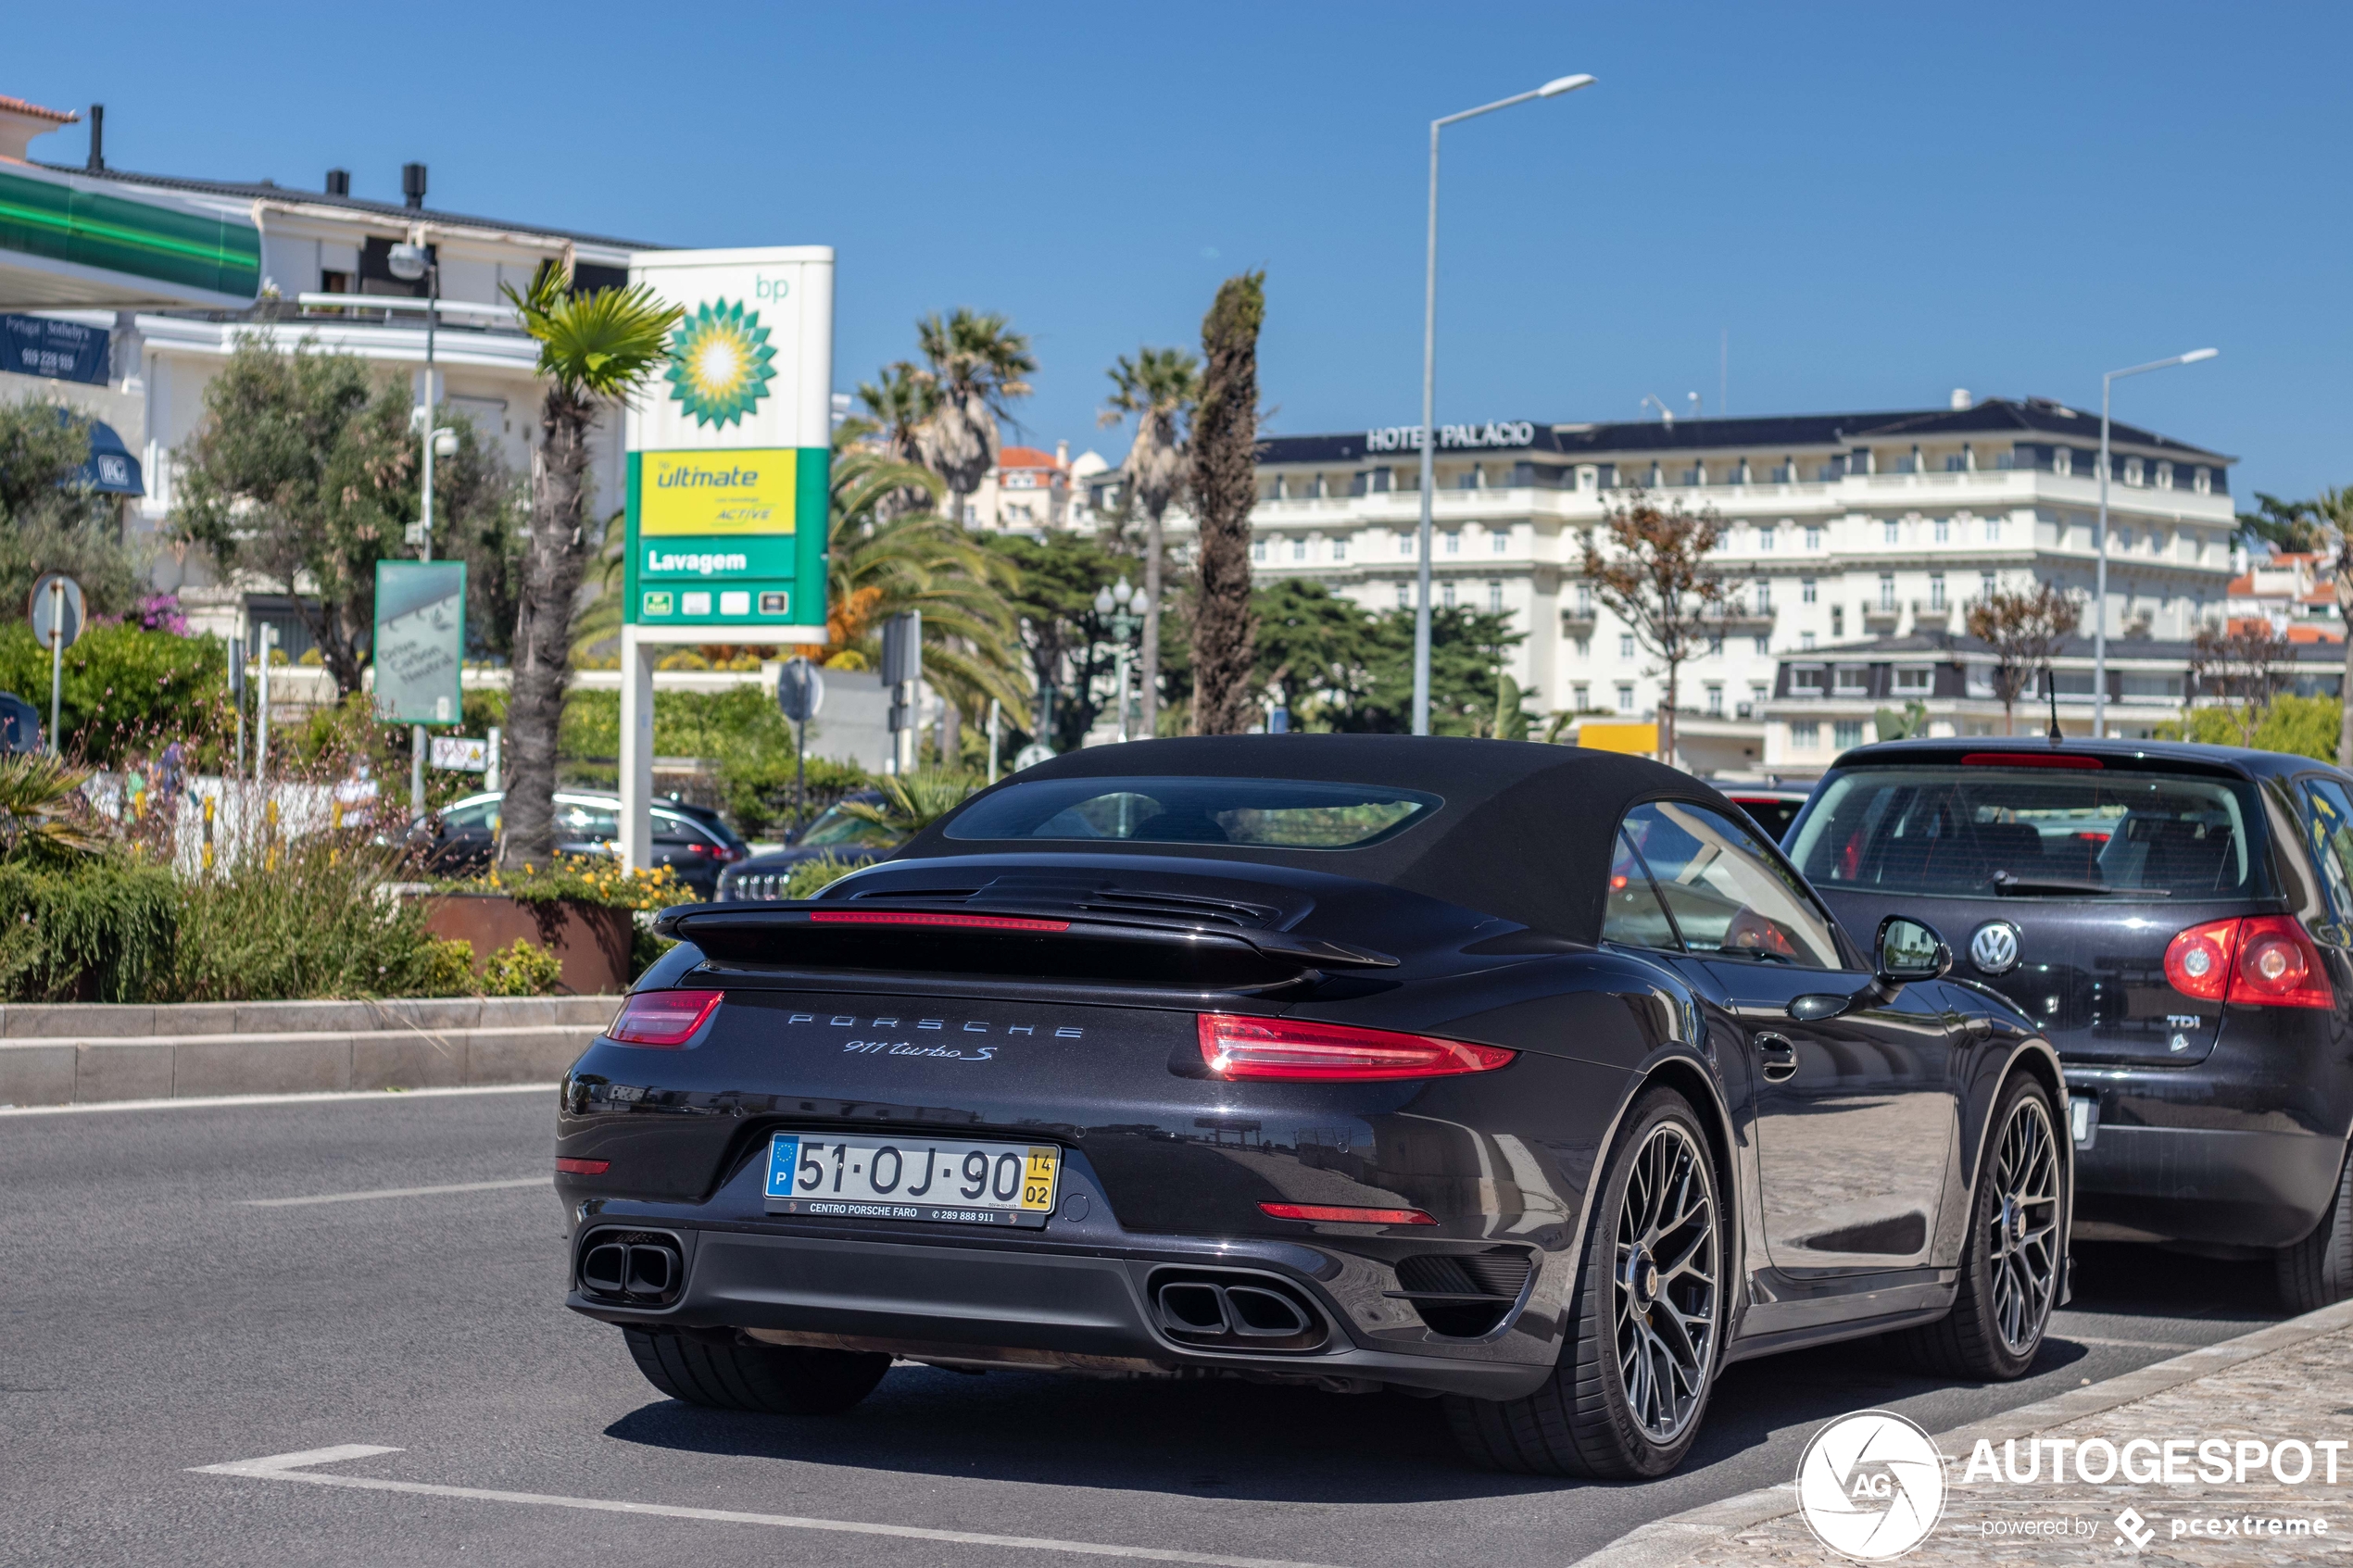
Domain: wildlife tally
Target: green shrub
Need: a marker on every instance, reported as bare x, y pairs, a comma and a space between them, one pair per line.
447, 967
521, 969
2303, 726
125, 690
807, 878
102, 931
314, 926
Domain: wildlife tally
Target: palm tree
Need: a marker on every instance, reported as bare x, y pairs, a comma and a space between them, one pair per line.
913, 802
1158, 387
898, 403
975, 365
43, 816
882, 563
594, 350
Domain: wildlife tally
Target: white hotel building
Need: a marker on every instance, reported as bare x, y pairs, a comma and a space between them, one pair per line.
1839, 529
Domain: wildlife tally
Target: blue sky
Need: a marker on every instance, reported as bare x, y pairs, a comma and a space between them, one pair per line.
1877, 204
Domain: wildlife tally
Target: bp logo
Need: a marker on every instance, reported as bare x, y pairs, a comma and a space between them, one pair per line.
718, 363
1872, 1486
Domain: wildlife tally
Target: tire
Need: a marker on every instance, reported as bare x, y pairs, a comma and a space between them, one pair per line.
2012, 1264
2318, 1271
1636, 1318
764, 1379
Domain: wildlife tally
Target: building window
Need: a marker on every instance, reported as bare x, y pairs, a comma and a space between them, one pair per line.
1806, 734
1299, 549
1763, 596
1846, 732
1894, 531
1852, 680
1838, 621
1915, 682
1584, 601
1258, 549
1581, 697
1495, 598
1936, 590
1805, 591
1584, 648
1764, 535
1985, 585
2063, 459
1625, 699
1715, 701
1944, 529
1499, 540
1993, 530
1383, 481
1761, 644
1404, 596
1316, 491
2133, 470
2201, 480
1453, 541
1886, 591
1625, 646
1339, 549
1805, 641
1806, 679
1446, 594
1813, 536
1756, 690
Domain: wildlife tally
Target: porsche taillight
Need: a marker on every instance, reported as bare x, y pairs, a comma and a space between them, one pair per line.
2259, 960
664, 1020
1297, 1051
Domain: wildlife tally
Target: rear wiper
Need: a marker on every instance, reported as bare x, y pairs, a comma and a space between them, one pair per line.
2010, 884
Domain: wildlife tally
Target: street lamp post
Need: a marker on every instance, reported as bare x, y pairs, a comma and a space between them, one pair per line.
2099, 537
1115, 602
1552, 89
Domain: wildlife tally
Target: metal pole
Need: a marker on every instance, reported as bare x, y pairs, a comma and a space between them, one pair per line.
1123, 688
799, 775
425, 552
56, 661
262, 706
237, 700
2099, 579
1429, 404
995, 713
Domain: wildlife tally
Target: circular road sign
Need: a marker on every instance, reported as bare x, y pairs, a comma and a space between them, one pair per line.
800, 691
56, 609
1029, 756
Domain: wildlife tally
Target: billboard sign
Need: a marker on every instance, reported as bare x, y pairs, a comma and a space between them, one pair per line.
728, 449
421, 640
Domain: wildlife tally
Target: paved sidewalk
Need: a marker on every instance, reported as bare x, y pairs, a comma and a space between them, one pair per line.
2293, 1381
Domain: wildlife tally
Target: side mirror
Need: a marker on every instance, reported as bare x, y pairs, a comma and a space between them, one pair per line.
1909, 950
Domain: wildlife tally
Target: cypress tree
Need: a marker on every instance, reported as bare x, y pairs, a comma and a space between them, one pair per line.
1225, 487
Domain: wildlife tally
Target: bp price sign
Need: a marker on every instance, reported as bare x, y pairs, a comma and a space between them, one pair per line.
728, 447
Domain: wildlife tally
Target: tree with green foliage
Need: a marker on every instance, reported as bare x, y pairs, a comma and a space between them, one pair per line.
50, 519
2294, 526
1224, 485
1157, 389
595, 350
1068, 645
1468, 650
975, 365
125, 688
1315, 652
2303, 726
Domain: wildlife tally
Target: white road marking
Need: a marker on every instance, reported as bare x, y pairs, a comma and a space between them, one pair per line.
201, 1102
392, 1192
290, 1467
2060, 1334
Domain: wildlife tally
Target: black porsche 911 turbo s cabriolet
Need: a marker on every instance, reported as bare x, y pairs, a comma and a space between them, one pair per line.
1527, 1078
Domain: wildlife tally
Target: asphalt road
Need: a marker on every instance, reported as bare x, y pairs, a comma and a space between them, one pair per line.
154, 1318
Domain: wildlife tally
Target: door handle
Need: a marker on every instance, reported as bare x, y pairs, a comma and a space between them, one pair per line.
1778, 1058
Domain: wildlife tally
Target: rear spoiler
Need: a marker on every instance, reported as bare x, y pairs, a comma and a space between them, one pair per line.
900, 936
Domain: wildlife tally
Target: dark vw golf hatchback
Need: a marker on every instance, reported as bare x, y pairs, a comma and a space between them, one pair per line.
2178, 919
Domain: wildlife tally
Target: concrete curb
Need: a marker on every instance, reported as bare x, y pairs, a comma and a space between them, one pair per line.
75, 1055
1663, 1543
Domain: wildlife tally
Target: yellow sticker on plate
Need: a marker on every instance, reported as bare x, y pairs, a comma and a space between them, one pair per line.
1037, 1180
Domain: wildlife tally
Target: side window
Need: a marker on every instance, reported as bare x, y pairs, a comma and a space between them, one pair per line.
670, 828
2328, 819
479, 817
1633, 915
576, 822
1727, 893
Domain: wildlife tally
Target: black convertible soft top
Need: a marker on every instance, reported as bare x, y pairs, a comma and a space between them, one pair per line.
1524, 832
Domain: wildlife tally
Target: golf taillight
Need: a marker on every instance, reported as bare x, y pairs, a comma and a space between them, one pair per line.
662, 1019
1296, 1051
2261, 960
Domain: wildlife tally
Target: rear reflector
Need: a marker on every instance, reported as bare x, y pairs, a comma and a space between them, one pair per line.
964, 923
663, 1019
1296, 1051
567, 1166
1347, 1216
2262, 961
2028, 759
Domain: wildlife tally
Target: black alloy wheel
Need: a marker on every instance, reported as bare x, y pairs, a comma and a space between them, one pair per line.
717, 1371
1634, 1382
2015, 1253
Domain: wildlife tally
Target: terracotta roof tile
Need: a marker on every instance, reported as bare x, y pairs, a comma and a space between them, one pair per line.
18, 105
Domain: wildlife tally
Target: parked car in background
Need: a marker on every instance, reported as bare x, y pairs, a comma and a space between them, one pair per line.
461, 839
1772, 806
2178, 921
846, 837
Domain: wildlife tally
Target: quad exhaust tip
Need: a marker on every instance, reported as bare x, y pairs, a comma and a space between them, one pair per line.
1240, 1312
646, 1269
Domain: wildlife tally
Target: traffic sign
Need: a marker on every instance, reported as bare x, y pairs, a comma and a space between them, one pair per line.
56, 609
1029, 756
801, 690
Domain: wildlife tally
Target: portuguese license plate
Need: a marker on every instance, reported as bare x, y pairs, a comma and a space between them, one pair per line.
893, 1178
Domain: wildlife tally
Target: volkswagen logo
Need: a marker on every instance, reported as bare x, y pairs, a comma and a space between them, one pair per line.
1994, 947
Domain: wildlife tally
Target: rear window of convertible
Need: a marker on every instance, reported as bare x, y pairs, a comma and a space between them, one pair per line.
1259, 813
1979, 831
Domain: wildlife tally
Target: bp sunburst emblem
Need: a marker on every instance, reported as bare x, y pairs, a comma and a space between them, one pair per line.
718, 363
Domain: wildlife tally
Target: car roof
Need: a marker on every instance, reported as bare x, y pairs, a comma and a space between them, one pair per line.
2247, 762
